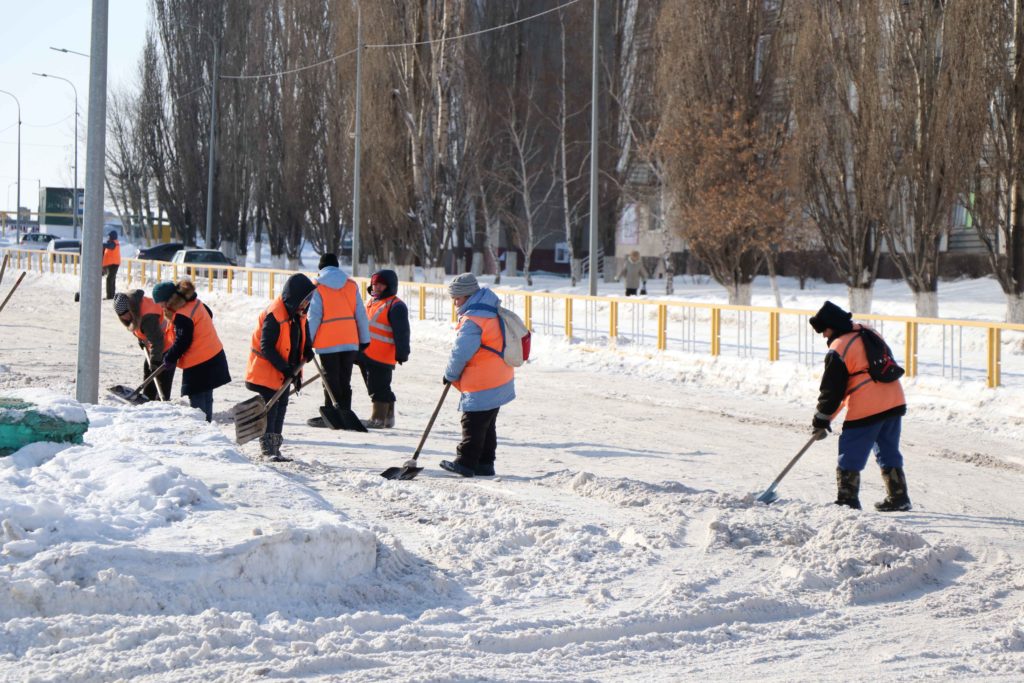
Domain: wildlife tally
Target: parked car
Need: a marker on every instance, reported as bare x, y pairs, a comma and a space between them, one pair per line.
190, 257
160, 252
72, 246
36, 240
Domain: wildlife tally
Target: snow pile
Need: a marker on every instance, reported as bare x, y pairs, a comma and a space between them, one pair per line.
47, 402
153, 516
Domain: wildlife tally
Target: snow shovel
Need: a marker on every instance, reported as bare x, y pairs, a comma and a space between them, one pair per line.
770, 496
3, 268
336, 416
409, 470
11, 293
251, 414
134, 396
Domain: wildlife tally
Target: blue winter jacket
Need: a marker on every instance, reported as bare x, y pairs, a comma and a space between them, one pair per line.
467, 343
335, 278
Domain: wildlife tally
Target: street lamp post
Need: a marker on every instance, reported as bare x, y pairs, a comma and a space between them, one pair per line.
74, 199
17, 205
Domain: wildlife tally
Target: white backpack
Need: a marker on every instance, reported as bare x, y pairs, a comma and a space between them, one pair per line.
515, 335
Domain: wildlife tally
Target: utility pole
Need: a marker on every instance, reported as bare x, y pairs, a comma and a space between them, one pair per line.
357, 161
88, 371
593, 159
17, 205
213, 145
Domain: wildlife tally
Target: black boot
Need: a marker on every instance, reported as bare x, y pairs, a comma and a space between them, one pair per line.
267, 445
276, 442
896, 499
848, 483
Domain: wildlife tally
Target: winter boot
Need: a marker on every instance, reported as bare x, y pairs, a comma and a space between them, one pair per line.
267, 445
456, 468
317, 422
389, 420
378, 416
896, 499
848, 483
275, 442
484, 469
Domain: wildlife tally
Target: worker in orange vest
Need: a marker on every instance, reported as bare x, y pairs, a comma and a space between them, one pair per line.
389, 345
145, 319
279, 348
476, 368
111, 261
192, 344
339, 329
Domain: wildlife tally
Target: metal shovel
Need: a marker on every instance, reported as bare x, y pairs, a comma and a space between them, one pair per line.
769, 495
134, 396
409, 470
337, 417
251, 414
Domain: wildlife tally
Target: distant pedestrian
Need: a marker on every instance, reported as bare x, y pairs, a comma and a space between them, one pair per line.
144, 318
389, 345
874, 412
477, 369
279, 348
111, 261
339, 329
193, 344
635, 273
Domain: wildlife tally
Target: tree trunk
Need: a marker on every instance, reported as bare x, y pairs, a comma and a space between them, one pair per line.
926, 304
1014, 308
860, 299
739, 294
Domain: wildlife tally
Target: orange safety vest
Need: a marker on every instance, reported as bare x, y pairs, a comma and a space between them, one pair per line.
382, 337
149, 307
338, 325
112, 257
864, 396
205, 342
486, 369
260, 371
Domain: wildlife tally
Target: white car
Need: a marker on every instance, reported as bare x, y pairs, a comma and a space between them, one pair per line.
62, 245
35, 240
196, 257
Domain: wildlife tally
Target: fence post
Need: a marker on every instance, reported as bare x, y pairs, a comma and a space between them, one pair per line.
129, 273
248, 282
613, 321
271, 285
716, 331
231, 279
773, 336
911, 349
423, 302
568, 317
994, 356
662, 325
528, 312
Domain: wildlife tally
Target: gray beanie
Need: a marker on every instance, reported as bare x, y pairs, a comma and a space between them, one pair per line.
120, 303
463, 285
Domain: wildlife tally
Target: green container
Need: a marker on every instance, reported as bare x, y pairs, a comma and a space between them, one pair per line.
21, 423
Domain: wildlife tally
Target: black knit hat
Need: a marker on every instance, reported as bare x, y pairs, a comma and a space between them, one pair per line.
830, 315
328, 259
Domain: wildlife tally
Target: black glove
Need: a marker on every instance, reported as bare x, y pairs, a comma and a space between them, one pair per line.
445, 381
363, 346
822, 425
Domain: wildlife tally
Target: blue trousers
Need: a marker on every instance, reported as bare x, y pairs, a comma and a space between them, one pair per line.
855, 445
204, 401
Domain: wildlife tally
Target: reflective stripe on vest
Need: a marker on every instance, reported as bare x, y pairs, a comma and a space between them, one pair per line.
864, 397
205, 342
382, 338
486, 369
149, 307
112, 257
338, 325
261, 371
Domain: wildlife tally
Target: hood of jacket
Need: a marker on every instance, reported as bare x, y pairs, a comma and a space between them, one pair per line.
332, 276
295, 291
390, 279
484, 297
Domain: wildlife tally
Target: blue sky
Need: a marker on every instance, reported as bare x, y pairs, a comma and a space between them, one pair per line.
28, 28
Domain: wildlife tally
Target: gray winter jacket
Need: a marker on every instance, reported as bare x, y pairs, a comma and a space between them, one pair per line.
634, 272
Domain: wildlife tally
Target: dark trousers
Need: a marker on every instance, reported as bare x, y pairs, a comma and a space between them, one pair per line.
378, 381
479, 438
111, 273
204, 401
338, 373
275, 416
164, 379
630, 291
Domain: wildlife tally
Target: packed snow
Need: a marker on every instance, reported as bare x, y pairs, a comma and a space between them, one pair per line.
620, 541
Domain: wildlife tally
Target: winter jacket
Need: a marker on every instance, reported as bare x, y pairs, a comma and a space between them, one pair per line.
111, 253
193, 327
485, 380
634, 272
148, 325
280, 342
332, 278
846, 381
389, 325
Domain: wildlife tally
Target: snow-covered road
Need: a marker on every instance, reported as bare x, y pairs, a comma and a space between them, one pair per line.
620, 540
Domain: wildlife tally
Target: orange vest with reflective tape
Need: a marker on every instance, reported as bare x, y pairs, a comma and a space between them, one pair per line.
149, 307
112, 257
205, 342
864, 396
338, 324
382, 337
486, 369
260, 371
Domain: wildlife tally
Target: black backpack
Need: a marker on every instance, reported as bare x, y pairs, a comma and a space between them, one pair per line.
881, 365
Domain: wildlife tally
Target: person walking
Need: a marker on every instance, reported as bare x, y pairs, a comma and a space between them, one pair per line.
477, 369
144, 318
111, 261
634, 271
280, 347
389, 345
192, 344
874, 412
339, 329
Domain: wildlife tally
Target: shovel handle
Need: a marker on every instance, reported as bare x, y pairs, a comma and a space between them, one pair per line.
814, 437
3, 268
430, 424
138, 390
11, 293
327, 385
284, 387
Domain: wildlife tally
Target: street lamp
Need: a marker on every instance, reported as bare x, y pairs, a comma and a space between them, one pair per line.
67, 51
17, 206
74, 200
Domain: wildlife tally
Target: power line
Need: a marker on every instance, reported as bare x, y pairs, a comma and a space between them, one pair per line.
411, 44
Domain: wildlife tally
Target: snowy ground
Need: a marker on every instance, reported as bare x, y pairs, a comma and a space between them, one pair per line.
620, 541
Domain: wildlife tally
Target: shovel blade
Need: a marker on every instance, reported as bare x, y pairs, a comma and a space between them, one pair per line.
403, 472
349, 421
331, 418
250, 419
127, 395
768, 497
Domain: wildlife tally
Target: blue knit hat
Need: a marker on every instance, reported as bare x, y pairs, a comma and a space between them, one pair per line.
163, 291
